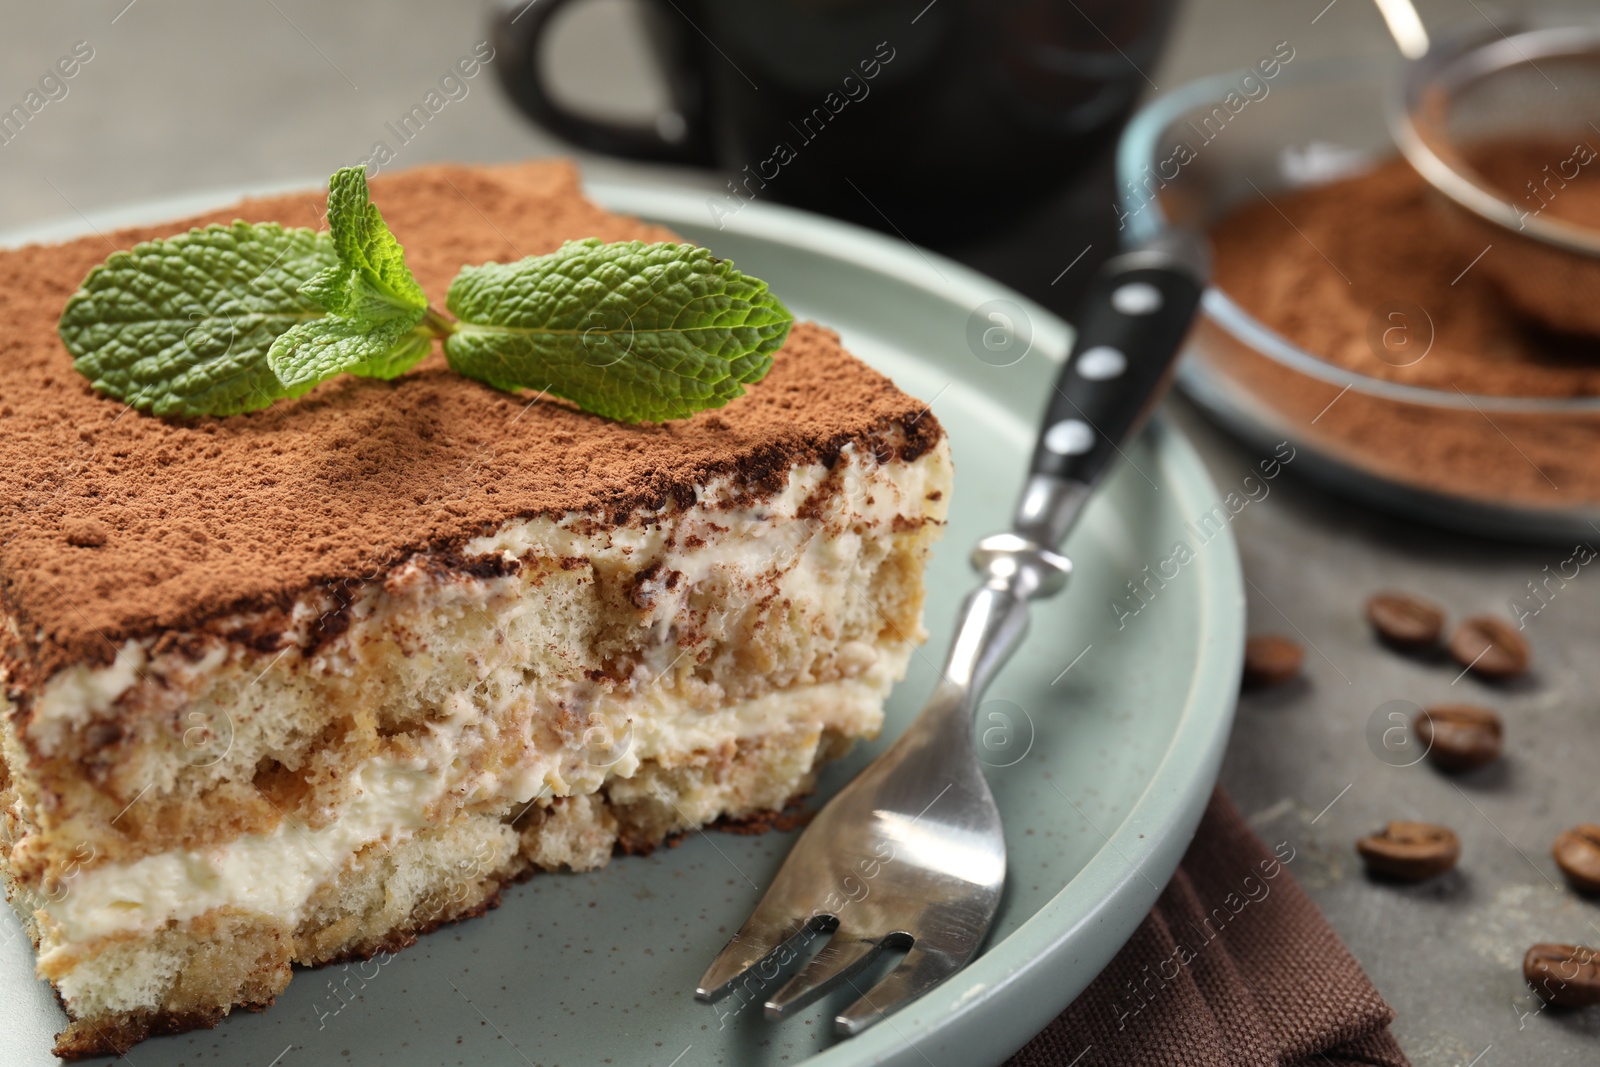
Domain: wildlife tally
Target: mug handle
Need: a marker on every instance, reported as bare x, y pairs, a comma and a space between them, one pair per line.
516, 34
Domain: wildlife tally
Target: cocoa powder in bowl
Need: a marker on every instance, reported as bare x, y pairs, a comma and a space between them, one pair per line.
1363, 273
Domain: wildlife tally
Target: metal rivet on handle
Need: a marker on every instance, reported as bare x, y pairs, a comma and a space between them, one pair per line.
1101, 363
1069, 437
1136, 298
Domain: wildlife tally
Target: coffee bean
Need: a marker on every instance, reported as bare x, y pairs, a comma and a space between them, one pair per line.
1404, 621
1459, 737
1410, 851
1271, 660
1490, 646
1577, 853
1567, 976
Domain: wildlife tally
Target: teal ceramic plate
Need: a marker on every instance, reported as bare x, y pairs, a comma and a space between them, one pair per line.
1103, 739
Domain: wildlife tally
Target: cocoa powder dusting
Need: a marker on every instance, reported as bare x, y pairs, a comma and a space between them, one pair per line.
115, 524
1336, 260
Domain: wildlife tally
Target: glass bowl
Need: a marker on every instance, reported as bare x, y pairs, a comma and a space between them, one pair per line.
1317, 123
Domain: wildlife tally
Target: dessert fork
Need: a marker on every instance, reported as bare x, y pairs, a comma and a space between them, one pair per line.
910, 854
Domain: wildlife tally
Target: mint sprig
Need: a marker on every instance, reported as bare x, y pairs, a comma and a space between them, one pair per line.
182, 326
373, 302
627, 330
228, 319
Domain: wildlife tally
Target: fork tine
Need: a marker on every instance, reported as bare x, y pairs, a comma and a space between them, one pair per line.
757, 941
843, 956
920, 971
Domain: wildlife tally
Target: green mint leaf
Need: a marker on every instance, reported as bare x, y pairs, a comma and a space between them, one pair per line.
372, 279
372, 299
183, 325
315, 351
629, 331
407, 350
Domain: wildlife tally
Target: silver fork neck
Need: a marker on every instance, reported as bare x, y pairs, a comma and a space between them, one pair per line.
1048, 508
993, 621
1016, 567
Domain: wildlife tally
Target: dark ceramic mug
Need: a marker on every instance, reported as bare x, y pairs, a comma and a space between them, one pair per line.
939, 119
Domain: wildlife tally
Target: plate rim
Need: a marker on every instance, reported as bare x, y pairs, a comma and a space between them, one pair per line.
1027, 979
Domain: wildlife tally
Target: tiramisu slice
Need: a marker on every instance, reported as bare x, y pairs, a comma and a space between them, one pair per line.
300, 684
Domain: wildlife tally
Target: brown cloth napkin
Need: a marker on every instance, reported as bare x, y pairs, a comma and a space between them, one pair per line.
1235, 967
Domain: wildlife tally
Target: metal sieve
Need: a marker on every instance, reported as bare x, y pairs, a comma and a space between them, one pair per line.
1526, 82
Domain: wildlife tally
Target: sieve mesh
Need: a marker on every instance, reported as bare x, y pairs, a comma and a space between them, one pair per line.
1558, 97
1464, 100
1534, 83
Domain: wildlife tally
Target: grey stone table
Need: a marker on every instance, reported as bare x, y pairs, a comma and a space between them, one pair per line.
1303, 768
182, 95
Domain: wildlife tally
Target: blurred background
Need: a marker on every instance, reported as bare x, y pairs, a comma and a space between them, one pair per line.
182, 95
